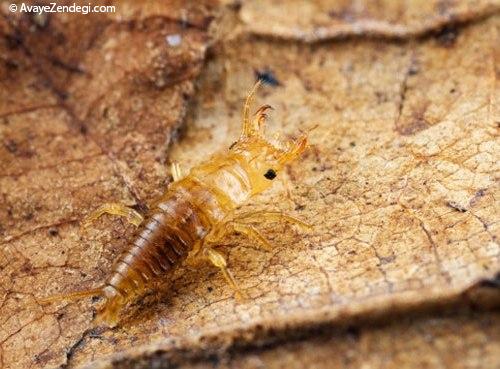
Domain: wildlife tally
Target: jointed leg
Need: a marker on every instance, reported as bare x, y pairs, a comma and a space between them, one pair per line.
252, 233
130, 214
217, 235
241, 225
236, 226
218, 260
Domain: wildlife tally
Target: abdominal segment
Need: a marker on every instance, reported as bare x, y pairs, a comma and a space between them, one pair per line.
162, 242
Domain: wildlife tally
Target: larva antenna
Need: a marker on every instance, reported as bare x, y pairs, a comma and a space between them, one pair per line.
247, 124
72, 295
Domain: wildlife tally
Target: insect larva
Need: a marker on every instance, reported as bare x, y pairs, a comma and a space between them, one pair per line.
194, 214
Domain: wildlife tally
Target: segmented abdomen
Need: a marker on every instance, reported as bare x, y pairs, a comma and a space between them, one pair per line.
171, 229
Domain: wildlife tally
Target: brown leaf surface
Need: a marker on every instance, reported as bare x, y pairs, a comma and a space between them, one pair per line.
85, 116
318, 20
432, 343
401, 181
436, 341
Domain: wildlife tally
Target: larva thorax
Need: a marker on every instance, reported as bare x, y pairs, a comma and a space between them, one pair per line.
170, 230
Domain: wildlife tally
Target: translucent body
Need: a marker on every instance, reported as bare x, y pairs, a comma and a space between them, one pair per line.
193, 214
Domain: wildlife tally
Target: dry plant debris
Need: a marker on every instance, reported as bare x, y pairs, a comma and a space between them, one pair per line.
401, 180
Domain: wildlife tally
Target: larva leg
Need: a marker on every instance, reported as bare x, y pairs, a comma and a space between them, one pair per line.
252, 233
273, 216
175, 170
218, 260
130, 214
234, 226
241, 225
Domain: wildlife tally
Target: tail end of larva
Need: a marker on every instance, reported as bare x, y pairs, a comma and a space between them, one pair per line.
109, 314
72, 296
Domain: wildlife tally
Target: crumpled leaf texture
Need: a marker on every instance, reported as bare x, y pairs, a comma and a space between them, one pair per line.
408, 342
400, 181
317, 20
84, 117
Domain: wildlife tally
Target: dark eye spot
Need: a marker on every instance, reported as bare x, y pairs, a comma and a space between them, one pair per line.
270, 174
232, 145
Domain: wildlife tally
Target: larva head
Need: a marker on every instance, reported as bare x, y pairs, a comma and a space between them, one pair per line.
264, 159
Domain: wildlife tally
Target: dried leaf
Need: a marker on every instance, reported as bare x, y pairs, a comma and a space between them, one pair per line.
400, 182
408, 342
318, 20
85, 116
